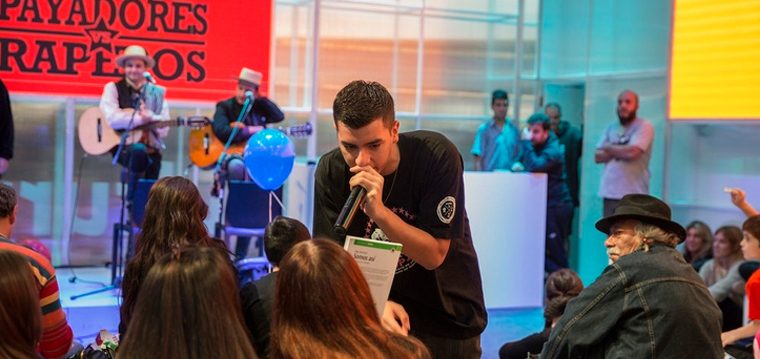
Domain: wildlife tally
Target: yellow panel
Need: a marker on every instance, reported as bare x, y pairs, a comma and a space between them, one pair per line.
715, 64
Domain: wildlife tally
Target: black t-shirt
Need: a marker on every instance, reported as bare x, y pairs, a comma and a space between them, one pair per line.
257, 298
426, 191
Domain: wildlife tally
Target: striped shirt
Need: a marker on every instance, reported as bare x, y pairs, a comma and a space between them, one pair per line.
56, 334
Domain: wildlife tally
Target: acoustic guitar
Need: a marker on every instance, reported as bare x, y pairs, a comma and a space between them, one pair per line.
97, 137
204, 148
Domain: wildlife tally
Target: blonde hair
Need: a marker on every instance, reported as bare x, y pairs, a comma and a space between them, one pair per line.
650, 234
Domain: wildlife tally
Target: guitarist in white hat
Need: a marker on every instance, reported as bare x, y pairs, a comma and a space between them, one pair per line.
131, 102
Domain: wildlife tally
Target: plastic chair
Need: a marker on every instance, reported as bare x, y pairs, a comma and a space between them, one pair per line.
248, 211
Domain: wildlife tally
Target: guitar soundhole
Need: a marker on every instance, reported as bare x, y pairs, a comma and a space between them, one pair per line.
100, 130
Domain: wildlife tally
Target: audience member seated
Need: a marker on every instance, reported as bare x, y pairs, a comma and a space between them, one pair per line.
721, 275
697, 247
648, 303
174, 217
56, 340
19, 307
751, 250
323, 309
280, 235
561, 286
188, 307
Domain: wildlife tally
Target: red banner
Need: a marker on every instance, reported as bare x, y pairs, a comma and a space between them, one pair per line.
69, 47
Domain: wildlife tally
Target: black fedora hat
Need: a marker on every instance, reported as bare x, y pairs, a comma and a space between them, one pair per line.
643, 207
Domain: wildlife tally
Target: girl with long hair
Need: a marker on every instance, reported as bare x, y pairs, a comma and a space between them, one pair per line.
20, 316
697, 248
188, 308
323, 309
173, 219
721, 275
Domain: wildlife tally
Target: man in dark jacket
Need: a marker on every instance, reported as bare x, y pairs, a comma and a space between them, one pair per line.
262, 112
544, 154
571, 138
227, 121
649, 303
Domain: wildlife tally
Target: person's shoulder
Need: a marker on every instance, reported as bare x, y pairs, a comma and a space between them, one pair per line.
485, 125
225, 103
643, 123
331, 162
41, 264
428, 138
110, 85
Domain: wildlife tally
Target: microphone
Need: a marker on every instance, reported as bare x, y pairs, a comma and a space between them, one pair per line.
346, 215
149, 77
249, 95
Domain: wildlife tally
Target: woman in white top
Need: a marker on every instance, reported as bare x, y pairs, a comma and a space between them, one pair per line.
721, 275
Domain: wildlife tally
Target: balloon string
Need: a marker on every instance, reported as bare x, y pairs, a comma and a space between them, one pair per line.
274, 195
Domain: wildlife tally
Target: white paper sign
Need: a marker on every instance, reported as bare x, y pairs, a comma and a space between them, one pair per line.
377, 260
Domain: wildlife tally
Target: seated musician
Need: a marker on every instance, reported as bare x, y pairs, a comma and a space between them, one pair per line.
264, 111
131, 102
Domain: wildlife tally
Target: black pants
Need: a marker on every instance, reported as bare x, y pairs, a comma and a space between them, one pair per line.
559, 221
140, 164
444, 348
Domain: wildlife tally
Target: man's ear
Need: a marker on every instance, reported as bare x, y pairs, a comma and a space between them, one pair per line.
394, 131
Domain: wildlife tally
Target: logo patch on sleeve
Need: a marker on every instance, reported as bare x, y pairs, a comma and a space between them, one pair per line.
446, 209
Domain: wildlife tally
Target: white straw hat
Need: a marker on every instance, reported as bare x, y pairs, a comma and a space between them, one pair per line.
250, 77
135, 52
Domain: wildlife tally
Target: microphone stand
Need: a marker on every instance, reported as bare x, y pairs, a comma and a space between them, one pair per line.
247, 105
117, 260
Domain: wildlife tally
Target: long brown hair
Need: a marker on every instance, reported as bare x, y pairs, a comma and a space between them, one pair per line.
703, 232
561, 286
733, 235
323, 308
20, 314
188, 308
174, 217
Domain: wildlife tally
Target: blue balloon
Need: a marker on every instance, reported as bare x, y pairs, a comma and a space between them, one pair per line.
269, 157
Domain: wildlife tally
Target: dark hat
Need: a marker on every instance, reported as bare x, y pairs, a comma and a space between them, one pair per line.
646, 209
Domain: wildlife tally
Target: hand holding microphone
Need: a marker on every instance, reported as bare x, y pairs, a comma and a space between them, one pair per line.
366, 192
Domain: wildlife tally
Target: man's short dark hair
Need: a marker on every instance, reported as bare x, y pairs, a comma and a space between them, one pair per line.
281, 235
499, 95
555, 106
539, 119
7, 200
361, 102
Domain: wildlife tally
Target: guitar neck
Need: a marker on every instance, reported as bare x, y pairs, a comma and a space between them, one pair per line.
180, 121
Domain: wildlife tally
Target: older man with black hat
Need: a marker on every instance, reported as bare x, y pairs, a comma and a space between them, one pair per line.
648, 303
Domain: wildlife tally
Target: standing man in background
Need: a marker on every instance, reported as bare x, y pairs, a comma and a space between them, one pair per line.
625, 149
543, 154
497, 142
6, 129
571, 138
